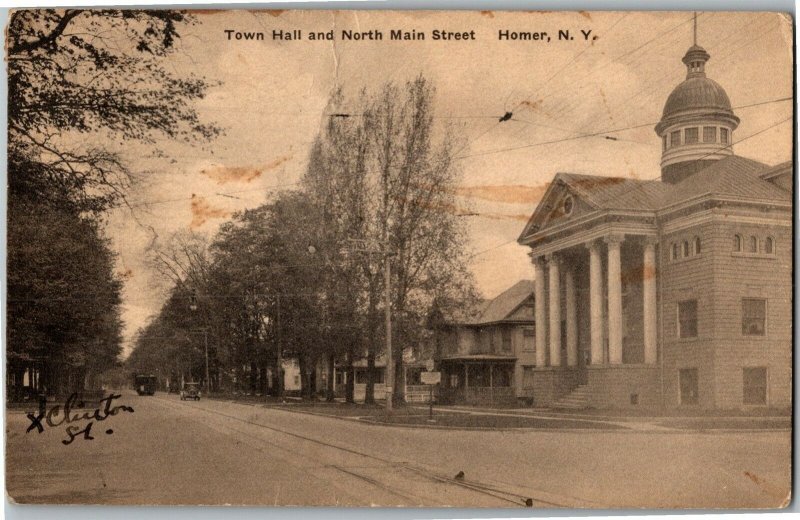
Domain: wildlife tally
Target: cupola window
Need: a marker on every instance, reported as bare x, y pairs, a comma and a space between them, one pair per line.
691, 136
709, 134
723, 135
697, 245
737, 243
675, 138
675, 251
753, 245
685, 248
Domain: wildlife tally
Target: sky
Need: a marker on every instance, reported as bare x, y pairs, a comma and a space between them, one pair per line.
271, 96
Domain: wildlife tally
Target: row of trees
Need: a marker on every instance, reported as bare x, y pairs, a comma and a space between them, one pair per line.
79, 82
302, 275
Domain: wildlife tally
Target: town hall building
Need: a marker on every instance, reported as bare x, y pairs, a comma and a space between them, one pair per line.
673, 292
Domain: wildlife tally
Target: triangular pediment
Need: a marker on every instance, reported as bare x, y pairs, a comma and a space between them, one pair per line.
560, 204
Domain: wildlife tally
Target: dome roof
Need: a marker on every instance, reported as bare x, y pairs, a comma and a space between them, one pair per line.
697, 92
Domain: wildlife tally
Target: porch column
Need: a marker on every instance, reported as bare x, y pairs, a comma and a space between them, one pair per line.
649, 308
571, 318
555, 310
614, 299
596, 302
539, 307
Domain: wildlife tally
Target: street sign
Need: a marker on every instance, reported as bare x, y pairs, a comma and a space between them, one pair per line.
429, 365
430, 378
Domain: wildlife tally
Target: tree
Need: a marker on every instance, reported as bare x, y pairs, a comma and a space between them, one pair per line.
388, 178
81, 81
78, 73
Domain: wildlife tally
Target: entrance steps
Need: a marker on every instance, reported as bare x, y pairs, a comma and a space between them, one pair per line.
578, 399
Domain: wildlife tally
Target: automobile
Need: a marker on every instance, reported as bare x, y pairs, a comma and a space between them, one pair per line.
190, 391
145, 384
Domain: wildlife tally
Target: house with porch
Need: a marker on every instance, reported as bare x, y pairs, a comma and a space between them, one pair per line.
486, 355
672, 292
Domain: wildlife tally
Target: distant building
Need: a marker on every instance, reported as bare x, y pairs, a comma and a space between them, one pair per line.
673, 292
488, 353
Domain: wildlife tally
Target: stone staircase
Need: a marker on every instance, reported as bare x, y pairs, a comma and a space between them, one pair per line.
578, 399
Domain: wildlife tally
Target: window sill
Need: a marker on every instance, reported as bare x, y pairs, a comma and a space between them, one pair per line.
685, 259
765, 256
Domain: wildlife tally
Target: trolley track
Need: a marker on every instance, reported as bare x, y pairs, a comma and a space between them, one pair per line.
505, 496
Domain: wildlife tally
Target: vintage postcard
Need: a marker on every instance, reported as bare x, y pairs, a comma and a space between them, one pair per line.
396, 258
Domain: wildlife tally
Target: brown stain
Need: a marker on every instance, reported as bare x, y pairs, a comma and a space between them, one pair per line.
753, 477
125, 274
532, 105
225, 174
585, 15
453, 209
275, 12
487, 14
202, 211
511, 194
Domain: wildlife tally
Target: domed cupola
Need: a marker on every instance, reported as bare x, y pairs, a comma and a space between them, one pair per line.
697, 124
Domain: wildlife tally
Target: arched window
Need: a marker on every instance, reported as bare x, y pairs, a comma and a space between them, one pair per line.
752, 247
737, 243
697, 245
685, 248
769, 246
675, 251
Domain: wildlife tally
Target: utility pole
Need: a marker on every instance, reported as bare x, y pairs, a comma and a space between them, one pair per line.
387, 270
279, 353
208, 376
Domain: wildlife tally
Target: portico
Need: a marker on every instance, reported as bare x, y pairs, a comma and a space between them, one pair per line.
598, 312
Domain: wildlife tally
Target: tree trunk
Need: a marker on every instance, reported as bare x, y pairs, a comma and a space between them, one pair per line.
330, 390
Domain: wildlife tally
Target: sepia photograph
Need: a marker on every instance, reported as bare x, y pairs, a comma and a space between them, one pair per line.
370, 258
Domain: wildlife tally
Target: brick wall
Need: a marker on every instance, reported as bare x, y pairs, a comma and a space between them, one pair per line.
612, 386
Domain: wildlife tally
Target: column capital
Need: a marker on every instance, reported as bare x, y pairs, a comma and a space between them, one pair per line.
553, 259
592, 244
651, 240
537, 259
613, 239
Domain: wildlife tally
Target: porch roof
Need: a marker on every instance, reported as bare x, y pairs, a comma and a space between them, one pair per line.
480, 357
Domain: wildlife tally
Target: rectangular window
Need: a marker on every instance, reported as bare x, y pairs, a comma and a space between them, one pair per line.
691, 135
528, 339
709, 134
754, 385
664, 142
690, 385
527, 377
687, 319
675, 138
754, 316
506, 337
723, 135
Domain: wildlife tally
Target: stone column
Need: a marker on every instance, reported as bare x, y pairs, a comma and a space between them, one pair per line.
649, 307
614, 299
540, 307
571, 318
555, 310
596, 302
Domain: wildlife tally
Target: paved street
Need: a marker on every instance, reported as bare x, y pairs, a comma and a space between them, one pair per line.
216, 452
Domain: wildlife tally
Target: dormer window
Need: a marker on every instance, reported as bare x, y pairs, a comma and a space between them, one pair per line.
690, 136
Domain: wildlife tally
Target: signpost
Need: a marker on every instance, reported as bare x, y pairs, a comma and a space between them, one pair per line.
430, 378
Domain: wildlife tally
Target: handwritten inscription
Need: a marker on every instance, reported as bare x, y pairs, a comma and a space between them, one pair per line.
76, 422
